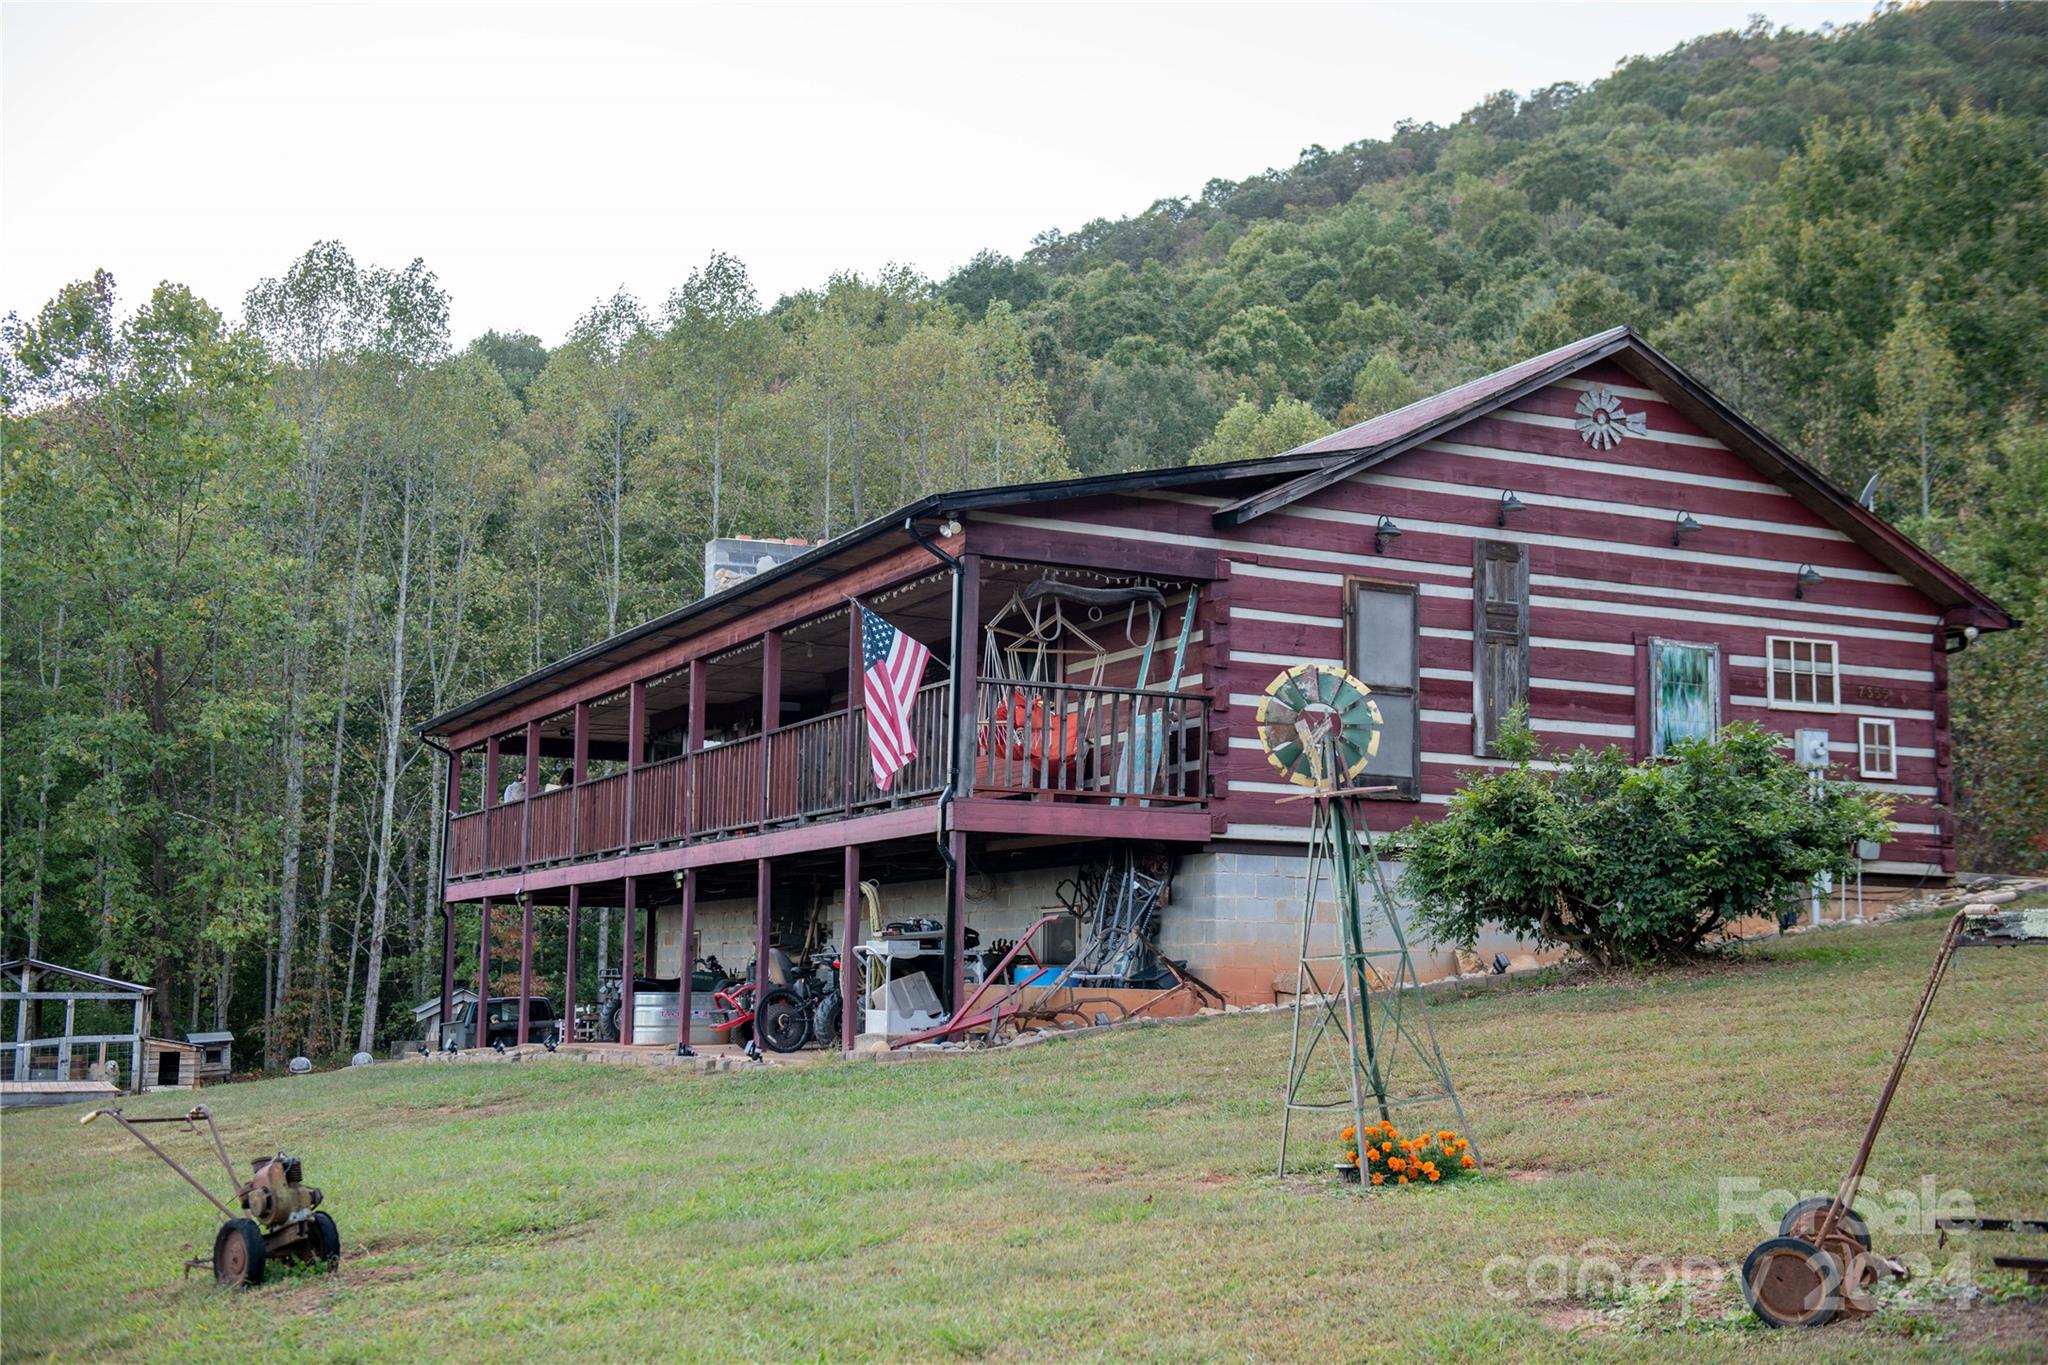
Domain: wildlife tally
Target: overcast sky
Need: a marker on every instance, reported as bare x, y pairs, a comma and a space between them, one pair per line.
540, 157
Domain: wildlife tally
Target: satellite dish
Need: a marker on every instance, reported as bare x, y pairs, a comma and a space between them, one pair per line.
1868, 497
300, 1066
361, 1059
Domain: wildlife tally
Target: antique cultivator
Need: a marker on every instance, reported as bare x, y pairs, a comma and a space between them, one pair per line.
1820, 1266
280, 1218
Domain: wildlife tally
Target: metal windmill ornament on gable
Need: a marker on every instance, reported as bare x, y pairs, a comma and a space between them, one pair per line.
1357, 1008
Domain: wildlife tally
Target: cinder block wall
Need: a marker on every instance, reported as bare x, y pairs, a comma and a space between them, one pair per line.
1236, 918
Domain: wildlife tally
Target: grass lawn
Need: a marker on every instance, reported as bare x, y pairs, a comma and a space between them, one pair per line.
1103, 1196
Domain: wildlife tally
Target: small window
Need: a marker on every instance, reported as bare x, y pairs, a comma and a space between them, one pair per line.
1685, 693
1384, 644
1877, 750
1802, 674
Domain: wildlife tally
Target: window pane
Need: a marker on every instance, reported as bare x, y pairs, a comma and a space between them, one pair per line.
1685, 705
1383, 648
1396, 756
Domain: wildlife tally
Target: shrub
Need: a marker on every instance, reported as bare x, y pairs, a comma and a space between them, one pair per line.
1631, 862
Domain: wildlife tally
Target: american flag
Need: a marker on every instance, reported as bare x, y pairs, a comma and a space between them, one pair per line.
892, 664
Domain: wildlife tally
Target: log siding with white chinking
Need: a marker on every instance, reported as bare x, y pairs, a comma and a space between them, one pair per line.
1595, 532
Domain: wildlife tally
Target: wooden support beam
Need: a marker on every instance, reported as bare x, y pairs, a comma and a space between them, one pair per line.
689, 962
447, 968
569, 967
693, 744
856, 692
529, 778
764, 886
136, 1052
647, 940
525, 967
636, 747
956, 918
490, 795
771, 712
579, 773
966, 671
483, 971
850, 1002
626, 962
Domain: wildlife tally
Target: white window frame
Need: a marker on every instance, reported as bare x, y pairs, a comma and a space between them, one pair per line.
1867, 727
1653, 675
1813, 647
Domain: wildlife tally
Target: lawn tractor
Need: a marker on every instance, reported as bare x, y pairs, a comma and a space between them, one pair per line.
281, 1218
1820, 1266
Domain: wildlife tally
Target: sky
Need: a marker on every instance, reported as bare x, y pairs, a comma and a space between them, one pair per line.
540, 157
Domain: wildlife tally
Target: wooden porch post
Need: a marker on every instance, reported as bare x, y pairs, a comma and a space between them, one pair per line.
447, 968
856, 689
764, 884
21, 1033
966, 675
579, 773
141, 1032
531, 779
689, 963
626, 966
569, 969
491, 747
525, 965
771, 711
850, 1002
647, 939
636, 750
483, 973
693, 744
956, 918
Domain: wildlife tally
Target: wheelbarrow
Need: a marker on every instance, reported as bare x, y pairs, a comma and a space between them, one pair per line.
280, 1218
1820, 1266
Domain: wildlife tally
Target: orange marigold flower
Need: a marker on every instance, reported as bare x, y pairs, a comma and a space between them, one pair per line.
1386, 1146
1371, 1155
1434, 1177
1351, 1157
1395, 1163
1404, 1179
1467, 1162
1348, 1134
1378, 1179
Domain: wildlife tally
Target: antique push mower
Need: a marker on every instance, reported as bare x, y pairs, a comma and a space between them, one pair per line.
280, 1220
1820, 1266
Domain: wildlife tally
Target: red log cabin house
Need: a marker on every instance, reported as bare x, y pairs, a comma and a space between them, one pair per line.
1589, 530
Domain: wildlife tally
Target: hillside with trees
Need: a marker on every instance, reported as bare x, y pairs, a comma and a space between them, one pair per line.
243, 558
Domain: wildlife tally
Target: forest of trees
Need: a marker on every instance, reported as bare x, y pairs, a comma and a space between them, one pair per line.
246, 553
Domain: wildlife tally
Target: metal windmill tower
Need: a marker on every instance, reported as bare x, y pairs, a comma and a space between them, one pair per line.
1357, 1009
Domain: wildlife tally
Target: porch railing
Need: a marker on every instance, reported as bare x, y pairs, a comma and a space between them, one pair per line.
1030, 740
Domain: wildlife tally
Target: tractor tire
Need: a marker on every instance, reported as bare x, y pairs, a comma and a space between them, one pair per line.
323, 1241
781, 1022
608, 1023
238, 1253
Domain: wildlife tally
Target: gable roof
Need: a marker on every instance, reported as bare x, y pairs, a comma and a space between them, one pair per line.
1369, 443
39, 967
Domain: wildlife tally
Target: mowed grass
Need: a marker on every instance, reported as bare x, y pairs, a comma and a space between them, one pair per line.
1101, 1196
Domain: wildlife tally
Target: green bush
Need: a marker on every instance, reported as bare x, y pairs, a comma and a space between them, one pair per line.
1631, 862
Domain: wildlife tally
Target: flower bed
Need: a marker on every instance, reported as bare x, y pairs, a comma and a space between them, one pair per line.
1391, 1159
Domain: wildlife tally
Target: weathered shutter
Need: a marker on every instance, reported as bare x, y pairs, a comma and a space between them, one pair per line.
1500, 638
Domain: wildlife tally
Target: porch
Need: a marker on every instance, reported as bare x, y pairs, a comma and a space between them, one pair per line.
1074, 730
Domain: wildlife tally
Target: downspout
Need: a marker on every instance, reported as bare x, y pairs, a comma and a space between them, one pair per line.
946, 795
441, 895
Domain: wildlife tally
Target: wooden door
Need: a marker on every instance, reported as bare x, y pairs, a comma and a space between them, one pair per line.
1500, 638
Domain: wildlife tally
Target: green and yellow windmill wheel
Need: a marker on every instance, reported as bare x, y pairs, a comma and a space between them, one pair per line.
1319, 725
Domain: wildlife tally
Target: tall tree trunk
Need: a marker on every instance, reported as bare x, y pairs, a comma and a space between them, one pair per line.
53, 683
323, 949
394, 728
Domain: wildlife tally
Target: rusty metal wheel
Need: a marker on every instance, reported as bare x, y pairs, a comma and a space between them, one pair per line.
323, 1240
1790, 1282
1803, 1219
238, 1253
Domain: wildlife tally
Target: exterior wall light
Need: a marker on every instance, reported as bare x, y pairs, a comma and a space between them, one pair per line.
1508, 503
1382, 533
1808, 577
1682, 525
